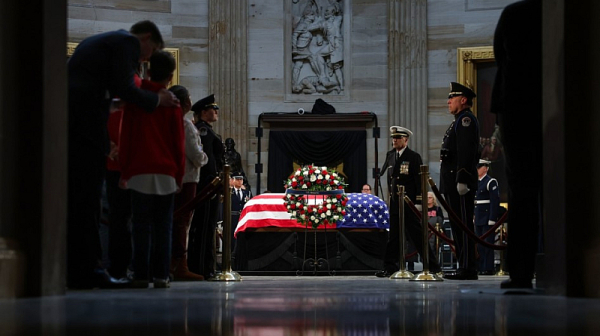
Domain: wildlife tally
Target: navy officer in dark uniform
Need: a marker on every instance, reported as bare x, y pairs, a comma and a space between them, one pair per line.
406, 167
487, 204
201, 245
458, 175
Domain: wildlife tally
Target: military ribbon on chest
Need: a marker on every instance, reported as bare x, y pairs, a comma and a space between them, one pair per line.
404, 167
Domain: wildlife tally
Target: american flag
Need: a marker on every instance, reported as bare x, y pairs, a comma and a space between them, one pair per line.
268, 210
365, 211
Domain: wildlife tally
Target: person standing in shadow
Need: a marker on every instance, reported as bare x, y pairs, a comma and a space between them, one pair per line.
102, 67
517, 101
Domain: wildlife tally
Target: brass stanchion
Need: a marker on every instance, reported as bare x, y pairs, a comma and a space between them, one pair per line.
226, 273
425, 275
438, 228
501, 270
402, 273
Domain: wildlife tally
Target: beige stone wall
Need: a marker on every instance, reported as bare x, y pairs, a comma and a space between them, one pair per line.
450, 23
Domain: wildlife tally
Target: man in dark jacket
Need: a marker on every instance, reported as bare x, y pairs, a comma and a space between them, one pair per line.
458, 175
487, 204
406, 167
101, 68
517, 100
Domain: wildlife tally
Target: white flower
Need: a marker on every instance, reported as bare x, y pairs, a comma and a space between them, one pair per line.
336, 217
328, 212
328, 206
313, 178
294, 180
297, 173
324, 168
294, 213
316, 220
304, 186
328, 200
328, 188
314, 209
305, 173
320, 177
327, 176
298, 204
288, 196
323, 215
336, 182
335, 174
303, 216
289, 207
334, 200
312, 218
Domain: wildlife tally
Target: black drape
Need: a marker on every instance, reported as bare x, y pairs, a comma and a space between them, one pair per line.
322, 148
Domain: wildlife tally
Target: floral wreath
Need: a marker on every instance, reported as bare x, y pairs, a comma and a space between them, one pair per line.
308, 184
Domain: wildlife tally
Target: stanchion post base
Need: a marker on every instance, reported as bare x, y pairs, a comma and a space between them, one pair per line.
226, 276
402, 274
501, 273
426, 276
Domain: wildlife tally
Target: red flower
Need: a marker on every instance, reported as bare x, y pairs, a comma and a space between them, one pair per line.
326, 222
340, 187
294, 184
343, 212
338, 196
318, 181
308, 184
293, 206
331, 182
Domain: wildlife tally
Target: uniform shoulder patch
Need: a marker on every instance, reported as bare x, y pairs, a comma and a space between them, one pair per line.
203, 131
466, 122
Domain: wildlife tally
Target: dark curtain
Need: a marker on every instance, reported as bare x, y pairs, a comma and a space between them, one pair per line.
322, 148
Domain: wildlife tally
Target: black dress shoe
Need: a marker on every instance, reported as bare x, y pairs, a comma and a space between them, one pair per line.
461, 274
383, 274
516, 283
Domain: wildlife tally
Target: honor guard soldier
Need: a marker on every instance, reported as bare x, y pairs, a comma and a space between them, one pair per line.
458, 175
405, 165
487, 204
239, 197
201, 246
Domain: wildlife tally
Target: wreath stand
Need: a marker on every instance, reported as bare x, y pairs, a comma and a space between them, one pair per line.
315, 264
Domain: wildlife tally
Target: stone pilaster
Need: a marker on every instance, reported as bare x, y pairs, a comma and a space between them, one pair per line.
227, 69
407, 70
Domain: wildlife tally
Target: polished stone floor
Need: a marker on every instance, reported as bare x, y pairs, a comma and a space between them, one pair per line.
304, 305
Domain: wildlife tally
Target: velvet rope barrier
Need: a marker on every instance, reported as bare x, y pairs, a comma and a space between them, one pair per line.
414, 253
213, 187
416, 211
455, 218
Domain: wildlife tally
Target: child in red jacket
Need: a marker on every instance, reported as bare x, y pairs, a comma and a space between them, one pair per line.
152, 158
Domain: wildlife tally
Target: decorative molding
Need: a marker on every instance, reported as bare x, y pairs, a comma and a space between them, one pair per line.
174, 51
468, 58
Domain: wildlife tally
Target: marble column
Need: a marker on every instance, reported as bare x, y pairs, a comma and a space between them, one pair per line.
227, 64
407, 70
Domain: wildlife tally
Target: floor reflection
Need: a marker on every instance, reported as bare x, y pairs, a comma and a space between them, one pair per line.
276, 306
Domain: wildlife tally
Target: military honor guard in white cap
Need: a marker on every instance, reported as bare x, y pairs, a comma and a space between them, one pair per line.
487, 205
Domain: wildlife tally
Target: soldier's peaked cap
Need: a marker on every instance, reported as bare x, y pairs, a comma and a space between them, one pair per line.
457, 89
205, 103
483, 162
397, 131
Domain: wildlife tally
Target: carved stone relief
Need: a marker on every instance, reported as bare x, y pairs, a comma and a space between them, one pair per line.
317, 47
